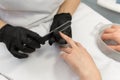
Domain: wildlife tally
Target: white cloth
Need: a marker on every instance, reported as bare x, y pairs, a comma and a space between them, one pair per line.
26, 12
46, 64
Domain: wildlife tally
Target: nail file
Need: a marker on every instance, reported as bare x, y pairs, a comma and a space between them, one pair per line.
60, 28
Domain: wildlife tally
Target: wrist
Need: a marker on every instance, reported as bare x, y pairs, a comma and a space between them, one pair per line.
2, 24
63, 16
91, 76
6, 28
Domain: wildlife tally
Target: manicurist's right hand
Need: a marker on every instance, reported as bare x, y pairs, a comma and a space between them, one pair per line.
19, 41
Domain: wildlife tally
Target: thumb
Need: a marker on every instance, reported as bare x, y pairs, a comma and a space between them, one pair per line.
51, 41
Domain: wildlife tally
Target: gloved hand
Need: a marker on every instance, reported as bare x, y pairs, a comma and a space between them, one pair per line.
58, 20
19, 40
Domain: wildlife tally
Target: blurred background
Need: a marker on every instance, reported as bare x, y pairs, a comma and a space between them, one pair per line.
109, 14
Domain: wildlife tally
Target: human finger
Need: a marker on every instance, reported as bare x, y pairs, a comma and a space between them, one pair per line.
16, 53
33, 35
31, 42
115, 27
51, 40
107, 36
68, 40
58, 38
21, 46
115, 47
109, 30
25, 48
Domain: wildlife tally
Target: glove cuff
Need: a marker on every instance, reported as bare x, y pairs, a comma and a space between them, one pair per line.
2, 30
67, 16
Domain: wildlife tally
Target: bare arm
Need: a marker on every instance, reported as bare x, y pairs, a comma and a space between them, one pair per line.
69, 6
2, 23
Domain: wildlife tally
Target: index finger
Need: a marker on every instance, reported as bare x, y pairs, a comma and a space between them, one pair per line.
68, 40
107, 37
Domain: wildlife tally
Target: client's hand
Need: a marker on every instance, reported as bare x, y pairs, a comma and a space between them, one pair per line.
80, 60
112, 33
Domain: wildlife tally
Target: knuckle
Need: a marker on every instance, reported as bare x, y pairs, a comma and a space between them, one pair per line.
115, 35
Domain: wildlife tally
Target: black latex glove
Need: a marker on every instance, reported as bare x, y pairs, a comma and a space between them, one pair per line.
19, 40
58, 20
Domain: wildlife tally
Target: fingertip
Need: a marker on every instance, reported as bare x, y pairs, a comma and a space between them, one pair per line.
102, 37
23, 56
62, 35
20, 56
65, 37
60, 32
105, 36
115, 26
51, 41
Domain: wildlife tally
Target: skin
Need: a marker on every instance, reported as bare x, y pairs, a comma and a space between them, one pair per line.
112, 33
2, 23
69, 6
79, 60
